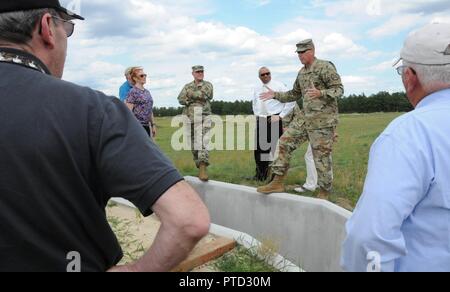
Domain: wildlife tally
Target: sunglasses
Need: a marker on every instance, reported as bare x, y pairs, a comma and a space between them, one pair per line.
143, 76
69, 26
265, 74
301, 53
199, 72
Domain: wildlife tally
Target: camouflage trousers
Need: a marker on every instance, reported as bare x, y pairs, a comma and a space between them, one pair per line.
321, 141
199, 136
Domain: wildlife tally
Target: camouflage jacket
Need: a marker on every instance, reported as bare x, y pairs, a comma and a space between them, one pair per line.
319, 112
194, 95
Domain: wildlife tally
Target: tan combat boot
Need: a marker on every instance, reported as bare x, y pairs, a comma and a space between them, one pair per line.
203, 174
276, 186
323, 195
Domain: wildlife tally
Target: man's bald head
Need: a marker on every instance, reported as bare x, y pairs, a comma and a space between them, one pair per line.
265, 75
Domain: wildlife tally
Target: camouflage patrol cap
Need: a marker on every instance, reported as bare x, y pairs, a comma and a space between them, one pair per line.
305, 45
198, 68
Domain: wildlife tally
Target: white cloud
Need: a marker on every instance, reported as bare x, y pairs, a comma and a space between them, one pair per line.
166, 38
440, 19
396, 24
366, 84
333, 39
169, 45
383, 66
338, 43
224, 81
356, 80
382, 8
295, 36
360, 8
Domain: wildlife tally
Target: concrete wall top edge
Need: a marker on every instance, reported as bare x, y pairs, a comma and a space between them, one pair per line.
284, 196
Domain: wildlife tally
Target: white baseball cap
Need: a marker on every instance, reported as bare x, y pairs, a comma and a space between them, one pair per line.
429, 45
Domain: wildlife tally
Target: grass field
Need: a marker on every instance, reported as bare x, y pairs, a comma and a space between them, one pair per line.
357, 133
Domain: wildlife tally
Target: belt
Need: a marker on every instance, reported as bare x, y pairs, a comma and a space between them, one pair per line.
269, 116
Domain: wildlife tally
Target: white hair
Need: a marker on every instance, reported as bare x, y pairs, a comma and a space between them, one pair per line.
431, 77
263, 68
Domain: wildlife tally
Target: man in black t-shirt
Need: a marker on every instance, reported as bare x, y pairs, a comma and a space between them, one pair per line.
65, 150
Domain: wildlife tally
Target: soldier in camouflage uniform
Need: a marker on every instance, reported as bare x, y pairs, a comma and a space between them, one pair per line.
319, 86
293, 137
196, 97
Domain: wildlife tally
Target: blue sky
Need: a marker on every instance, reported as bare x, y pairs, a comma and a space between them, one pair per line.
234, 38
262, 18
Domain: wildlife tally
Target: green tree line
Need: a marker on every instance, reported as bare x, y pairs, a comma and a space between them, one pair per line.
380, 102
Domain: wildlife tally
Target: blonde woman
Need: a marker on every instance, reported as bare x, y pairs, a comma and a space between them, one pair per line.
140, 101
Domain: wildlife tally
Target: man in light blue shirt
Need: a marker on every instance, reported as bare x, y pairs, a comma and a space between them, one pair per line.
127, 86
402, 221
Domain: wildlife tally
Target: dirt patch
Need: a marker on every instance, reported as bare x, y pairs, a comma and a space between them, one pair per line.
136, 234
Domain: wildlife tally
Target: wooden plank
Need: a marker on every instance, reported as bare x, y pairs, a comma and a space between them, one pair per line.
205, 253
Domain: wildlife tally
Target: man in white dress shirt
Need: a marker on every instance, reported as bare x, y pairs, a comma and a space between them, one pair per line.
270, 115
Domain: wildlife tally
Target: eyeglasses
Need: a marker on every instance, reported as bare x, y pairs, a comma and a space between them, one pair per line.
265, 74
143, 76
401, 70
68, 25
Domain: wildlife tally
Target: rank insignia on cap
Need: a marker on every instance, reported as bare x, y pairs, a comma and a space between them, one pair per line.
447, 51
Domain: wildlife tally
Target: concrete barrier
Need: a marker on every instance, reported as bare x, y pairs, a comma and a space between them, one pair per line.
309, 231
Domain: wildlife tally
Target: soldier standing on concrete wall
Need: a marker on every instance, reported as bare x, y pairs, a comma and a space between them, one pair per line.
319, 86
196, 97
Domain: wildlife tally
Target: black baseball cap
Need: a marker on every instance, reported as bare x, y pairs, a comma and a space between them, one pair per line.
23, 5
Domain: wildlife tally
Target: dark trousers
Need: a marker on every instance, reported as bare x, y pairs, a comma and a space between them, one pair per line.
149, 132
267, 135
